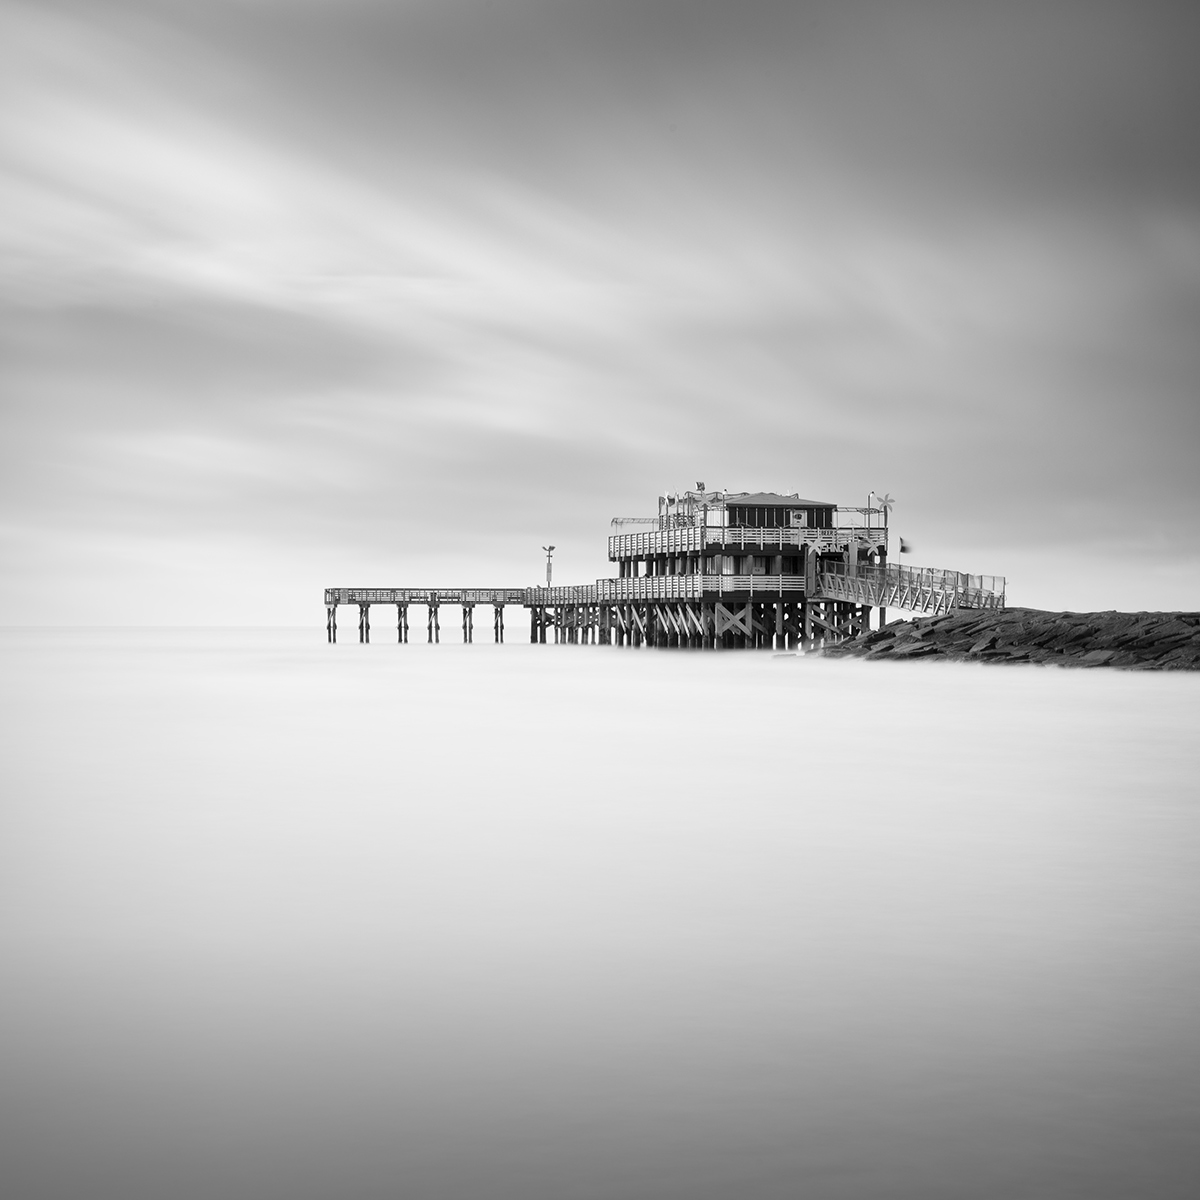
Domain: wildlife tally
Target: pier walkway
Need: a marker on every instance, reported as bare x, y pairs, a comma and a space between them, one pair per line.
831, 602
923, 590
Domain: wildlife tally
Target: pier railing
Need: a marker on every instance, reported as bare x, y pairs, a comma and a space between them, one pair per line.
696, 587
924, 590
439, 595
920, 589
552, 597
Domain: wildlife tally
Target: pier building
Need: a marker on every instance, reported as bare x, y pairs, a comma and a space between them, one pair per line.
711, 570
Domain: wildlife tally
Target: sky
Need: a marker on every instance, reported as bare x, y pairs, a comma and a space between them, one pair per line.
308, 293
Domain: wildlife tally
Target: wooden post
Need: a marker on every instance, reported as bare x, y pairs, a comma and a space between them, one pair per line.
498, 622
780, 641
468, 623
883, 584
434, 628
364, 622
331, 622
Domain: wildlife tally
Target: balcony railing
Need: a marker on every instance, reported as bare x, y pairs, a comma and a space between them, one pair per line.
785, 539
739, 540
666, 541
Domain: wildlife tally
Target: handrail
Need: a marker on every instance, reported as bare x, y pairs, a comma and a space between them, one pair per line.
924, 576
921, 589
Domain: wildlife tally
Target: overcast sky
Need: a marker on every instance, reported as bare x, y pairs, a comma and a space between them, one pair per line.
301, 293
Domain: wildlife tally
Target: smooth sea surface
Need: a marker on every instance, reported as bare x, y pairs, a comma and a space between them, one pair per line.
290, 920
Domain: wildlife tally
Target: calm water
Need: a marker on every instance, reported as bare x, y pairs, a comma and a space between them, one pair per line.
279, 919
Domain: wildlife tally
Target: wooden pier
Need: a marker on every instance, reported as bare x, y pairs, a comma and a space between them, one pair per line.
719, 570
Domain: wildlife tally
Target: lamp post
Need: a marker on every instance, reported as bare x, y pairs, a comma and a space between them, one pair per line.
549, 566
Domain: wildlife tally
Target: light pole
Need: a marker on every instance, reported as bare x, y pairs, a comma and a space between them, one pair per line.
549, 566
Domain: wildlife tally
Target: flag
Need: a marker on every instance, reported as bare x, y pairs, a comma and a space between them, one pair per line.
905, 547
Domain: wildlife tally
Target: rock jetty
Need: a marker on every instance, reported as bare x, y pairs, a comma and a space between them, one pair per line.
1147, 641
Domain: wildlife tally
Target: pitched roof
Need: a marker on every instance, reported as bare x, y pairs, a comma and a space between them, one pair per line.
774, 500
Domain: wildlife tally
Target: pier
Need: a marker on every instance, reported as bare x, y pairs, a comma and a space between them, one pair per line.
714, 571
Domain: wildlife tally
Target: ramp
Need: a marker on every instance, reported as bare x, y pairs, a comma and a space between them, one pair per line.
925, 590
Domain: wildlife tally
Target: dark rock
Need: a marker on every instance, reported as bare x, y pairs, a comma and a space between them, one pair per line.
1183, 656
917, 651
1157, 641
1124, 658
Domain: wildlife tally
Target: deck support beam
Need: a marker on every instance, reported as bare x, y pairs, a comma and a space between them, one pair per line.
758, 617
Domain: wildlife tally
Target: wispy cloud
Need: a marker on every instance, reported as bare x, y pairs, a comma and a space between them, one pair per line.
288, 285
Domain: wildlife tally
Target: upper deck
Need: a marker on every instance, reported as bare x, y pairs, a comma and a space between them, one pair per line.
698, 523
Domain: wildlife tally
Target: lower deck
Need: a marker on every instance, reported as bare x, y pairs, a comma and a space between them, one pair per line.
832, 602
734, 620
